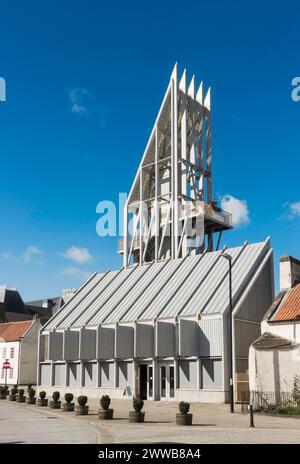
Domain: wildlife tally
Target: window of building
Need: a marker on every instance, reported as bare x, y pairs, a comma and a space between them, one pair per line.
4, 353
2, 373
12, 352
11, 373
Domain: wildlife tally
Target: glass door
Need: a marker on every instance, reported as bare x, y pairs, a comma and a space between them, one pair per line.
167, 382
150, 381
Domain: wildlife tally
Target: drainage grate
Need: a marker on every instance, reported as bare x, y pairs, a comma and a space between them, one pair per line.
51, 417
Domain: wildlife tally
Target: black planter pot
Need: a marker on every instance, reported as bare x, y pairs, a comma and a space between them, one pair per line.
184, 419
20, 399
68, 407
105, 414
2, 396
41, 402
30, 400
12, 397
55, 404
81, 410
136, 416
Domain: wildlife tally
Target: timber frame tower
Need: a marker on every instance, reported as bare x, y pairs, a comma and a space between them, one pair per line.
173, 184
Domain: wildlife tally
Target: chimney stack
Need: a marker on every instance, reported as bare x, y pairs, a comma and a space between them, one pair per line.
289, 272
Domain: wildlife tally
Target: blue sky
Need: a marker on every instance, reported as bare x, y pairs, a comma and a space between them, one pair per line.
84, 83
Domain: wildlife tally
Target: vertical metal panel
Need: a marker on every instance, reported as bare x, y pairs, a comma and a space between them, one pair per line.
210, 337
144, 341
188, 374
165, 339
71, 345
212, 376
60, 375
56, 346
106, 343
125, 374
188, 337
124, 341
91, 375
245, 334
74, 374
107, 377
45, 374
42, 344
88, 343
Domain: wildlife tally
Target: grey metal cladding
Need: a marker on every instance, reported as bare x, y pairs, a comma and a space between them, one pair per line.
165, 339
182, 287
71, 343
89, 299
242, 271
111, 288
171, 288
210, 337
106, 343
124, 342
114, 305
144, 347
73, 303
147, 281
139, 309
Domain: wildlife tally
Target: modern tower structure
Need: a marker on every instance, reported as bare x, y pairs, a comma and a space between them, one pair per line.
170, 211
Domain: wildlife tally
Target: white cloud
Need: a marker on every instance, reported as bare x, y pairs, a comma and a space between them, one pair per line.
238, 209
295, 209
6, 255
79, 255
292, 210
78, 97
79, 274
30, 252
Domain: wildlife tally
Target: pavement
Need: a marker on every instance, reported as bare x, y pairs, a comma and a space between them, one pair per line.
212, 423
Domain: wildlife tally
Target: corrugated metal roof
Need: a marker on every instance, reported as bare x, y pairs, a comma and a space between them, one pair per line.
290, 306
166, 289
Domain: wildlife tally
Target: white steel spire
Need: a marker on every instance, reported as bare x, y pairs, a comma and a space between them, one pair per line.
172, 189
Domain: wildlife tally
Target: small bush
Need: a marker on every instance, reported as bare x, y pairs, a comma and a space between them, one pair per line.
29, 387
184, 407
69, 397
21, 392
105, 402
82, 400
14, 390
31, 392
55, 396
42, 395
138, 404
2, 390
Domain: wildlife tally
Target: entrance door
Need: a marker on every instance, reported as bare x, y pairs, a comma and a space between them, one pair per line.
167, 381
143, 381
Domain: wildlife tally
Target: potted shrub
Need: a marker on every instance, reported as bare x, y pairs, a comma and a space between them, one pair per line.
105, 412
55, 403
68, 406
42, 400
20, 396
137, 415
184, 418
30, 398
13, 392
81, 409
2, 393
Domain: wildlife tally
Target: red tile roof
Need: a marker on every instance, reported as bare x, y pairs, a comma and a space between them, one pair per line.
290, 308
11, 331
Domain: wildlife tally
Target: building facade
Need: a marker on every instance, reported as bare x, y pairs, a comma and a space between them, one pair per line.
18, 345
274, 358
159, 326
